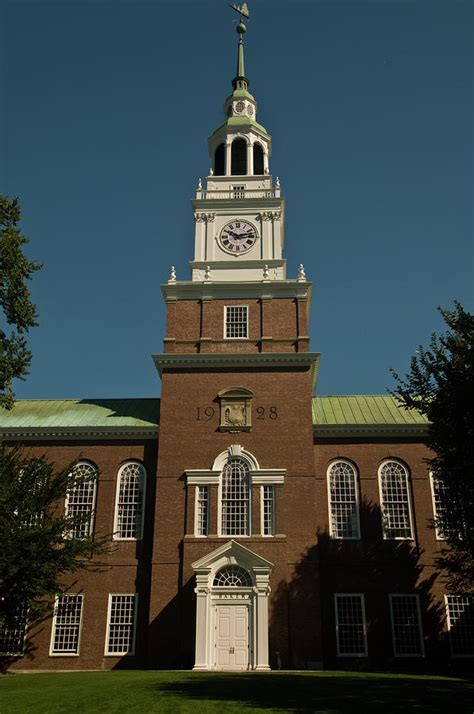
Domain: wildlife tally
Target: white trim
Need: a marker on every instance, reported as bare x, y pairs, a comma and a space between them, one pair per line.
201, 477
409, 500
357, 503
117, 492
449, 626
53, 626
419, 628
364, 624
107, 633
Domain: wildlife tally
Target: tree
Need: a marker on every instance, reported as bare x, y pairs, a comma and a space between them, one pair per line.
440, 385
38, 539
19, 313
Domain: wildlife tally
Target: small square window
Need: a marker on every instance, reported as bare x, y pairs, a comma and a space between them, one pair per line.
236, 322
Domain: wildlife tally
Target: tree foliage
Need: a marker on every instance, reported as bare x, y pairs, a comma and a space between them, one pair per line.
440, 385
37, 546
18, 312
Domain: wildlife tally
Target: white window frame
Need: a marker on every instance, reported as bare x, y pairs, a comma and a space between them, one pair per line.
226, 307
139, 535
52, 653
197, 490
364, 624
409, 501
249, 513
415, 596
270, 486
450, 624
439, 534
107, 634
90, 529
330, 504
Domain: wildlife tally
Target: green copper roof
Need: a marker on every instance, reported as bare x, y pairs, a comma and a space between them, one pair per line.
365, 414
56, 416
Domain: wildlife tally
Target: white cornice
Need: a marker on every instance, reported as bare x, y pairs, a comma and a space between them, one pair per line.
78, 433
210, 360
193, 290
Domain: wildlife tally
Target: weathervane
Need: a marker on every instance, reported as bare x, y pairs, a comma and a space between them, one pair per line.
242, 10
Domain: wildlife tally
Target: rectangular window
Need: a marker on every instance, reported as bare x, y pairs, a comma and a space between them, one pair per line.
438, 491
351, 633
121, 625
66, 625
460, 615
268, 510
238, 191
236, 322
12, 637
202, 510
406, 626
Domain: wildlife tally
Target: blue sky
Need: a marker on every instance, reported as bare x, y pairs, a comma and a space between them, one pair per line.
106, 110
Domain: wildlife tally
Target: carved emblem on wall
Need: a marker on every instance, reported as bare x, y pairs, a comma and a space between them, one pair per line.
235, 409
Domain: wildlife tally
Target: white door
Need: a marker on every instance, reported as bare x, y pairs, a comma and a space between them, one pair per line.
232, 637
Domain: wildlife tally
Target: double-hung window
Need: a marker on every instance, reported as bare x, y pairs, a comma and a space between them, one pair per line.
395, 501
268, 510
121, 625
406, 626
66, 625
12, 636
202, 510
351, 631
460, 616
235, 498
236, 322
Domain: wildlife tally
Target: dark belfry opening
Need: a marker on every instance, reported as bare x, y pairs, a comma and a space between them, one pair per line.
258, 159
239, 157
219, 160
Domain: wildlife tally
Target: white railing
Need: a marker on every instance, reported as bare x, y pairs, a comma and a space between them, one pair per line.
230, 194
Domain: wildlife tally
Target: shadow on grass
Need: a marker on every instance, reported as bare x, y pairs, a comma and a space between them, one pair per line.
326, 692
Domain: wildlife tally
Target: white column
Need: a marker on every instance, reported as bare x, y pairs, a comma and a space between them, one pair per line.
202, 625
265, 161
227, 158
250, 158
261, 644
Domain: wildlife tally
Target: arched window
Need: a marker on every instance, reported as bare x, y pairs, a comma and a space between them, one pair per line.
219, 160
232, 576
258, 159
239, 157
80, 500
130, 502
395, 501
235, 498
343, 500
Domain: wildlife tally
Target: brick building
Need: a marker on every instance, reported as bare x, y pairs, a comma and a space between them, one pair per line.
256, 526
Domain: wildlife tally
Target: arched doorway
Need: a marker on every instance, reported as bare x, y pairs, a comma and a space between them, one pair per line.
232, 609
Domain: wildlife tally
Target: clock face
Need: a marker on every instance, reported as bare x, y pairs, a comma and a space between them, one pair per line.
238, 236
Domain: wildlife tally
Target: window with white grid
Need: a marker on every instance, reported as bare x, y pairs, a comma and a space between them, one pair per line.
12, 636
80, 501
202, 510
236, 321
66, 624
268, 510
235, 498
395, 501
238, 191
351, 632
343, 500
406, 626
438, 490
121, 625
460, 615
130, 502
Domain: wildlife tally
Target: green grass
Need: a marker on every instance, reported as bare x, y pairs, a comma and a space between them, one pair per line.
200, 693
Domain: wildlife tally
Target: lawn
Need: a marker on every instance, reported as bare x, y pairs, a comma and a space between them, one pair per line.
200, 693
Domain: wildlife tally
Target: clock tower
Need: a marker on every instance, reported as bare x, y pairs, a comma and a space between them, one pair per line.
235, 460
